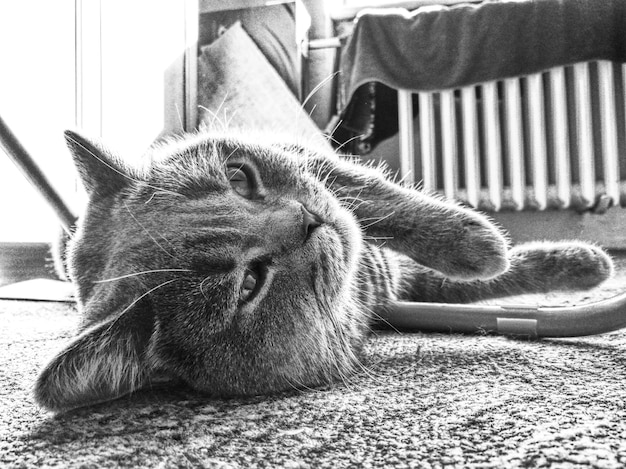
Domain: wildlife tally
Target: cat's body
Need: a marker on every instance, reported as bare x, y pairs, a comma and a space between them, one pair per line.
244, 268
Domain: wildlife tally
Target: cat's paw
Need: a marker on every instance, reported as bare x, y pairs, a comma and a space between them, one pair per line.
567, 265
480, 252
461, 244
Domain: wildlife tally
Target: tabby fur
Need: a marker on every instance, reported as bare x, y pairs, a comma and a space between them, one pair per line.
248, 268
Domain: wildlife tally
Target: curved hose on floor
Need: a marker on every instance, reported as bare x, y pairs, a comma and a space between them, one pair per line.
517, 320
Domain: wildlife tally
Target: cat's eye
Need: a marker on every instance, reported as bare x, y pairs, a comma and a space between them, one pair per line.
249, 284
252, 282
239, 180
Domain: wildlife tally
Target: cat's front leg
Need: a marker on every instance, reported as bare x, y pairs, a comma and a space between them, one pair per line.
458, 242
534, 268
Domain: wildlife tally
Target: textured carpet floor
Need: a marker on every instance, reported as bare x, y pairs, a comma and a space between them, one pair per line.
429, 400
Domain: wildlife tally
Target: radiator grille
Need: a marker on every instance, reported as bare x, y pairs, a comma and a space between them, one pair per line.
549, 140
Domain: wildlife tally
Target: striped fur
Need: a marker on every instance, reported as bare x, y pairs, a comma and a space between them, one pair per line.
244, 267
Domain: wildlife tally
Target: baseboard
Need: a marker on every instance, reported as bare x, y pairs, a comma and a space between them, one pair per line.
23, 261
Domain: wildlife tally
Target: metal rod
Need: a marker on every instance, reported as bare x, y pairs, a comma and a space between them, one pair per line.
405, 131
515, 140
493, 143
325, 43
608, 124
584, 132
538, 148
470, 145
449, 143
35, 176
427, 140
560, 139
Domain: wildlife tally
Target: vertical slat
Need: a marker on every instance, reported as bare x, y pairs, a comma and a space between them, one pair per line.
538, 145
470, 145
405, 129
608, 126
624, 98
584, 133
427, 140
493, 143
558, 104
515, 140
191, 63
449, 143
89, 66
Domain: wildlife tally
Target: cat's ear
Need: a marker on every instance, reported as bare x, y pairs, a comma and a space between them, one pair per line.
106, 361
101, 171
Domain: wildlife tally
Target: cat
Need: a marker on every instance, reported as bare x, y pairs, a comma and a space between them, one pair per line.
244, 267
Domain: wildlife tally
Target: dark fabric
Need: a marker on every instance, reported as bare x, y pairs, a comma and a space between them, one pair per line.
441, 47
448, 47
369, 118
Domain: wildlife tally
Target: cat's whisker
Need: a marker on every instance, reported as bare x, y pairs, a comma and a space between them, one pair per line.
377, 238
356, 137
326, 183
376, 220
350, 197
201, 287
217, 111
353, 205
180, 119
319, 170
299, 386
370, 313
375, 377
345, 380
318, 87
150, 199
149, 234
229, 120
351, 380
137, 300
215, 118
334, 129
231, 154
136, 274
407, 176
291, 385
352, 208
221, 105
383, 320
331, 139
313, 108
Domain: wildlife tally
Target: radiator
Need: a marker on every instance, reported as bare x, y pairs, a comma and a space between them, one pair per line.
543, 141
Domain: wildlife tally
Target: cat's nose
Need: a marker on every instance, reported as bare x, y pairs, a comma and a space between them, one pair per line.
310, 221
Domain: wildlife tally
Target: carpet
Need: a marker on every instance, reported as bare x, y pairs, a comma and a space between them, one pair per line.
426, 401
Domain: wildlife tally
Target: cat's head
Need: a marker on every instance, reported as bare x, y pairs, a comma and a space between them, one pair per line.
220, 262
